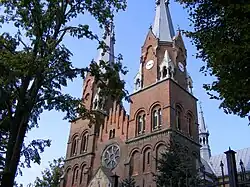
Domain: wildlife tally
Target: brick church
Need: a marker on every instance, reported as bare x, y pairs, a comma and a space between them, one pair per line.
127, 143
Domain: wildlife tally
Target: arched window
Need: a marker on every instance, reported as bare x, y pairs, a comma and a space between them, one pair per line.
178, 117
82, 177
189, 123
147, 160
141, 120
67, 178
74, 146
135, 163
159, 118
75, 176
143, 123
84, 145
159, 151
139, 124
156, 118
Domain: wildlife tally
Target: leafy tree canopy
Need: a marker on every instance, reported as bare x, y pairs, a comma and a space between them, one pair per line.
50, 176
222, 39
175, 167
35, 65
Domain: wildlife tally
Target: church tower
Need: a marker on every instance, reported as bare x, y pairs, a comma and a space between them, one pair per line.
163, 108
205, 150
84, 135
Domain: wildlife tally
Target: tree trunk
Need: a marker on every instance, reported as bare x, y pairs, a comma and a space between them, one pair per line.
11, 168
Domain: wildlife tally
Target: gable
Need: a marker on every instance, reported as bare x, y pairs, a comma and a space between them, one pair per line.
100, 179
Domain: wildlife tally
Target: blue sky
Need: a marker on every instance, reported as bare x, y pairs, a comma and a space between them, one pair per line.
131, 29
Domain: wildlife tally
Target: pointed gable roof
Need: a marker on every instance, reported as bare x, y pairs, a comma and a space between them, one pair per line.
163, 27
102, 172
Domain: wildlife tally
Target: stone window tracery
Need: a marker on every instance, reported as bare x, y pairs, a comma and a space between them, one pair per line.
111, 156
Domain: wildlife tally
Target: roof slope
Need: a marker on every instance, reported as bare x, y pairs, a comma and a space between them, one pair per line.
242, 154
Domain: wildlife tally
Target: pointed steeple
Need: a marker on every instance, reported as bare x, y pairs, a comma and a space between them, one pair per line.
163, 27
205, 151
108, 56
202, 128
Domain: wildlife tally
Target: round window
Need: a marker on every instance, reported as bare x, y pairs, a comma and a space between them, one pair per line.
111, 156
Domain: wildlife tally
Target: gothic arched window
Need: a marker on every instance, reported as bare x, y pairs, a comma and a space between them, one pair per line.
189, 123
178, 117
84, 145
74, 146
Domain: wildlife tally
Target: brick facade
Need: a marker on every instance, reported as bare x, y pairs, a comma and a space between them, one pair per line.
141, 135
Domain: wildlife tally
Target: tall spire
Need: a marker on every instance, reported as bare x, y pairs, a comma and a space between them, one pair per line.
163, 27
108, 56
203, 128
205, 150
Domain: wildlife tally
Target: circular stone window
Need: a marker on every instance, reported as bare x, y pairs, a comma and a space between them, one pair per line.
111, 156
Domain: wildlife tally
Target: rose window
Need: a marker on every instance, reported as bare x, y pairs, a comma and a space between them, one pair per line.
111, 156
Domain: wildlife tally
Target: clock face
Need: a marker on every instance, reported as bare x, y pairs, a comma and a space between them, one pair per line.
149, 64
111, 156
181, 67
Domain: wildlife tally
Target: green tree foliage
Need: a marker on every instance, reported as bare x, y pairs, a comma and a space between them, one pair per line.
50, 176
35, 65
128, 182
222, 39
175, 168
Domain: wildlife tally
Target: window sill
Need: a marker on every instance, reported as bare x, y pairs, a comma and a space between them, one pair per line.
156, 129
